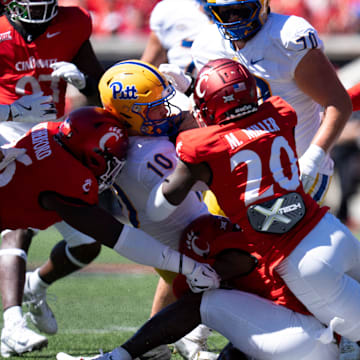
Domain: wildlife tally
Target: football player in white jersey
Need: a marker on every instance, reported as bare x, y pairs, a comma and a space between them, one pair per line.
285, 54
174, 25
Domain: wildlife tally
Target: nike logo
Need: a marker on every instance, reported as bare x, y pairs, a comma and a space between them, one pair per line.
253, 62
13, 343
28, 108
51, 35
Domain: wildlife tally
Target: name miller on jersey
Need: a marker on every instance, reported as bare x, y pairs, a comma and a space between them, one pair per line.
33, 63
40, 140
262, 127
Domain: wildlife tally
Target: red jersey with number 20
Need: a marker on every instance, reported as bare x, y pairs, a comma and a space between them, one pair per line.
45, 167
25, 66
254, 160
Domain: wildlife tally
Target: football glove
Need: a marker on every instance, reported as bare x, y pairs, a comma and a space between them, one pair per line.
176, 76
310, 164
33, 108
70, 73
203, 278
9, 155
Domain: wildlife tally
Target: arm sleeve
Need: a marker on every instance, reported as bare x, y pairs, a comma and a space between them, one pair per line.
140, 247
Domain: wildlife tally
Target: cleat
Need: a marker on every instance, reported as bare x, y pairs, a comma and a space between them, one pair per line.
20, 339
39, 313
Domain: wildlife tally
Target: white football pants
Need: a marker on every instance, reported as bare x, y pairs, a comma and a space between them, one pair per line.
323, 272
264, 330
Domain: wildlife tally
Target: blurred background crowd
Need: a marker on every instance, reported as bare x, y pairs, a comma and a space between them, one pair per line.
131, 16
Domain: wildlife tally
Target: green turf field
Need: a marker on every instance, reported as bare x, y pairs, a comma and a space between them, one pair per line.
95, 310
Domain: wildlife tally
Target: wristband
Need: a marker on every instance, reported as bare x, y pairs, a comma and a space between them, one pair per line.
315, 153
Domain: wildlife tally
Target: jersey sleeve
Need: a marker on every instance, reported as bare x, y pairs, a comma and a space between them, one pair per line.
184, 149
84, 22
298, 37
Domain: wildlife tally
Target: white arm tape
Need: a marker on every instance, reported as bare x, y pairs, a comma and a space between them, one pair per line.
315, 153
140, 247
15, 252
157, 207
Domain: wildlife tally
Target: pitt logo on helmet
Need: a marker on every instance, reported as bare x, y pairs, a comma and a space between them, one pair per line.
119, 92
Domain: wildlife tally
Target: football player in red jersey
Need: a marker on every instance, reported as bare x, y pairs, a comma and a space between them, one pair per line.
235, 314
91, 145
247, 156
43, 47
277, 329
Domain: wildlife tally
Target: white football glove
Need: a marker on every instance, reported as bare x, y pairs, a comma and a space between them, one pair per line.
30, 108
203, 278
69, 72
310, 164
176, 76
10, 154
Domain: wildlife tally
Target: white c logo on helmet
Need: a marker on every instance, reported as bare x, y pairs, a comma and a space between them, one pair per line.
105, 138
191, 243
198, 85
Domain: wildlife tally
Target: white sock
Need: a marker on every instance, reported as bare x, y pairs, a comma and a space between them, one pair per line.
200, 333
36, 284
120, 353
12, 315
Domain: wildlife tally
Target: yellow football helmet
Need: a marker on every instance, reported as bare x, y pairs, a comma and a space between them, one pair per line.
132, 90
239, 19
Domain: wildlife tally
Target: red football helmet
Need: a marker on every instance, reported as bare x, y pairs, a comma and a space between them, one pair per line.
98, 140
224, 91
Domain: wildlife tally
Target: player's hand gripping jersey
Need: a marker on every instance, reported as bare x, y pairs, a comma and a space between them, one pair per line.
52, 169
25, 64
253, 160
